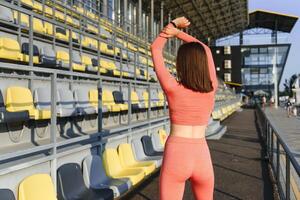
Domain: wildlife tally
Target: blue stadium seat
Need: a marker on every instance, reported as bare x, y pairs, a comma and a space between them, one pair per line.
71, 185
6, 194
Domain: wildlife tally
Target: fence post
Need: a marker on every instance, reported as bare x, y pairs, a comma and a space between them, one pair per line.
287, 177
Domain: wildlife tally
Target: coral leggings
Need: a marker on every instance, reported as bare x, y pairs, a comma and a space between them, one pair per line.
186, 158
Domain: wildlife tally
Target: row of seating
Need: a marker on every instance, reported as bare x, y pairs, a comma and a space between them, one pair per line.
102, 177
43, 27
224, 110
20, 105
47, 28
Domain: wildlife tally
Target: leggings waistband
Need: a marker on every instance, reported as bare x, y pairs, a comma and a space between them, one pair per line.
179, 139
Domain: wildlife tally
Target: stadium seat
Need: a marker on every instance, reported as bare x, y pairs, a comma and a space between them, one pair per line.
60, 16
65, 103
118, 98
10, 117
48, 27
108, 101
148, 147
7, 194
70, 185
110, 66
62, 34
82, 102
95, 177
92, 29
25, 52
48, 58
23, 20
145, 99
77, 64
6, 14
89, 42
37, 187
100, 68
125, 71
104, 33
87, 62
140, 155
93, 98
114, 168
136, 105
63, 59
10, 49
28, 3
128, 161
162, 136
155, 137
161, 98
20, 99
38, 26
106, 49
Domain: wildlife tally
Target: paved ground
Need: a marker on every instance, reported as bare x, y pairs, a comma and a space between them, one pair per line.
240, 173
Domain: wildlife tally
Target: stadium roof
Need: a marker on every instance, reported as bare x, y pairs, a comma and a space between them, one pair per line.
209, 18
272, 20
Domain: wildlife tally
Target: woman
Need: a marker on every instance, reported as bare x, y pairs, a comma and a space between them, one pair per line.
191, 101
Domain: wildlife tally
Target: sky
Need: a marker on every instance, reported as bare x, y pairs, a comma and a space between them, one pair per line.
290, 7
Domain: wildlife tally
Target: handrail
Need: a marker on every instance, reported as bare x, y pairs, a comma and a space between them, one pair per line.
283, 144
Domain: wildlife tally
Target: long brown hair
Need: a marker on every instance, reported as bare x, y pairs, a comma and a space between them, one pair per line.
192, 67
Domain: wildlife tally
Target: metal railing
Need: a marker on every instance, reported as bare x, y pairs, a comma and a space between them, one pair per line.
282, 160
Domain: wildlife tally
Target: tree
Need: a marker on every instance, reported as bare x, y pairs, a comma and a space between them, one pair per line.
288, 84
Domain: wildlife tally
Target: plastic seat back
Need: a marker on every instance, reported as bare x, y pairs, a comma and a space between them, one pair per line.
7, 194
76, 57
65, 99
118, 97
25, 49
93, 171
18, 99
42, 98
126, 155
82, 98
37, 187
70, 183
6, 14
111, 162
93, 97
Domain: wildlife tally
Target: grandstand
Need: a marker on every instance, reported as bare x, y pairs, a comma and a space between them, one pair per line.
81, 111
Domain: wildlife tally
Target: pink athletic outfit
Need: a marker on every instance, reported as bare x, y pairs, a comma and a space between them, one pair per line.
185, 158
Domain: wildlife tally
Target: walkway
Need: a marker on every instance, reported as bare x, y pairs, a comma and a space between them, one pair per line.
240, 173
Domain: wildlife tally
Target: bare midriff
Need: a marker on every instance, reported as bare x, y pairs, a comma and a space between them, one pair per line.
188, 131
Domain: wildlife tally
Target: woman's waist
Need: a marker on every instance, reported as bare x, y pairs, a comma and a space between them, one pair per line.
188, 131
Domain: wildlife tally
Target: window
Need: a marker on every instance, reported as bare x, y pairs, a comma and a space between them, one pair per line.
227, 50
227, 77
227, 64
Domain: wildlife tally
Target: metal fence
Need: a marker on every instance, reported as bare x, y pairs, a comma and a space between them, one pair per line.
283, 163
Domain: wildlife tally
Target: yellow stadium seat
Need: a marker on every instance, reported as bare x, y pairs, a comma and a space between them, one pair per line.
92, 29
114, 168
161, 98
79, 9
93, 97
20, 99
28, 3
87, 61
142, 50
131, 47
10, 49
89, 42
91, 15
127, 160
48, 28
110, 65
24, 19
107, 49
63, 57
146, 100
37, 187
143, 60
38, 26
108, 100
162, 136
59, 15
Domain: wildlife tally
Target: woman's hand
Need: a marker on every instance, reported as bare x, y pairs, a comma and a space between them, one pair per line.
169, 31
181, 22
